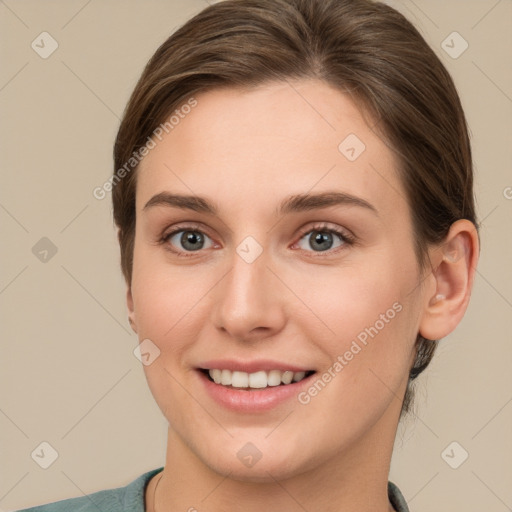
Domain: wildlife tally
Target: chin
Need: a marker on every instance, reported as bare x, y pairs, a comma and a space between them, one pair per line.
264, 471
260, 461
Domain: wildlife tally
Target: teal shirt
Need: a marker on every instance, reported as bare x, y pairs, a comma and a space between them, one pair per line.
131, 499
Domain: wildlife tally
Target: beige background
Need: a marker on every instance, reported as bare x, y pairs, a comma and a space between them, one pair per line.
68, 373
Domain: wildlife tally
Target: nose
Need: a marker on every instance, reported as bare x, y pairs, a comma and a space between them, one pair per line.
248, 303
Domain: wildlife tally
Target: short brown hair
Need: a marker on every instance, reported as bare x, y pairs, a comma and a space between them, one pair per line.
361, 47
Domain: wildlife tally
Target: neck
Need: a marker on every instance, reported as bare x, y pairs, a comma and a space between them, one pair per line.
354, 479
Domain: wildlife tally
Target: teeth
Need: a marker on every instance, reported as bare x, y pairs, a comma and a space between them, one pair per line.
298, 376
256, 380
287, 377
225, 378
216, 376
274, 378
238, 379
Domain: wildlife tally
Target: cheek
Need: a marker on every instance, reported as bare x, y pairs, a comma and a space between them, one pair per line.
368, 324
164, 295
348, 300
166, 303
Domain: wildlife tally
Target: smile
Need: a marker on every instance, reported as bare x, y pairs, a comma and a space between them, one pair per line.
256, 390
257, 380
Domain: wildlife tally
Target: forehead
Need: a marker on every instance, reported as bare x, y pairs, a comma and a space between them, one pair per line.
258, 145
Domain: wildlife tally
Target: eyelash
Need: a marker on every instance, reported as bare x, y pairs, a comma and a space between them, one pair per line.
346, 239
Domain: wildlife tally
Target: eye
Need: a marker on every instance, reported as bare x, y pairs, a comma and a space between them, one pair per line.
323, 238
190, 239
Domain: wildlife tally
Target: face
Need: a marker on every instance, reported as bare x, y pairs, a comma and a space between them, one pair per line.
299, 257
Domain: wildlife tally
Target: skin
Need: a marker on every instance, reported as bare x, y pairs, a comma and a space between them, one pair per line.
247, 150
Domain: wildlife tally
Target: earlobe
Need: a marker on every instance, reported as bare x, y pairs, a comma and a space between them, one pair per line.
454, 265
131, 310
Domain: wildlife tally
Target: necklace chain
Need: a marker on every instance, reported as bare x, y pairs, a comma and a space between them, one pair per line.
154, 493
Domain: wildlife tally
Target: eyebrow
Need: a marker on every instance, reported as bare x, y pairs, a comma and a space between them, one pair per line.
293, 204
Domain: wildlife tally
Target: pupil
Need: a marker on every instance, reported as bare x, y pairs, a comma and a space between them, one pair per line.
321, 238
191, 237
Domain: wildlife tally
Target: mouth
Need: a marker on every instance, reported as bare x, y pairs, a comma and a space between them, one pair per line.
244, 381
253, 387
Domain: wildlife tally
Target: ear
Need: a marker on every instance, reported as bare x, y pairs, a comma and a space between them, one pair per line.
131, 309
453, 271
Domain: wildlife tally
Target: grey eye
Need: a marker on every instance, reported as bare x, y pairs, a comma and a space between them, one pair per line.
321, 240
190, 240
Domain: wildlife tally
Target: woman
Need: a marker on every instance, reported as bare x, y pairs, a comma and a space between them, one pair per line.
293, 194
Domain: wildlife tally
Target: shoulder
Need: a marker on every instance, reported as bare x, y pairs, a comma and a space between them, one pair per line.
121, 499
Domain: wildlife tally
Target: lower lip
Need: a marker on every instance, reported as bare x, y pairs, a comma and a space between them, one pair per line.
256, 400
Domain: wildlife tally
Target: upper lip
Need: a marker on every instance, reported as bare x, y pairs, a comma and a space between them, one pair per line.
253, 366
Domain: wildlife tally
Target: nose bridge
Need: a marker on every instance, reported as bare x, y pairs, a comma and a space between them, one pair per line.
248, 298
